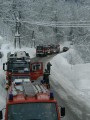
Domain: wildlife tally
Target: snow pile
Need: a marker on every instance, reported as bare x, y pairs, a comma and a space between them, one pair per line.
72, 82
72, 57
2, 86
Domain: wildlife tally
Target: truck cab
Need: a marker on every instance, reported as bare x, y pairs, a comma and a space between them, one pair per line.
27, 101
22, 66
17, 68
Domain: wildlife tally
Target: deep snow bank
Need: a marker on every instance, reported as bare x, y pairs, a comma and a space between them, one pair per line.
72, 81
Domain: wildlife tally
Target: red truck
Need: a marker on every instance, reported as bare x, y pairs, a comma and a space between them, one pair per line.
55, 48
27, 101
22, 66
41, 50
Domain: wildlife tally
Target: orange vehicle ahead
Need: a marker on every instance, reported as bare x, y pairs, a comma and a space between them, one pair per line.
27, 101
22, 66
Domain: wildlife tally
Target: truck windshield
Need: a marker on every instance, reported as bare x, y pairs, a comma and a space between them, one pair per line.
39, 47
21, 67
32, 111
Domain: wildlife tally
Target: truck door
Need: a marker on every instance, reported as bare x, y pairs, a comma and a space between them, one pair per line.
36, 70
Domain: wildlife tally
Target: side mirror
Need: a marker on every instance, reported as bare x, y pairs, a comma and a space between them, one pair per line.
5, 66
62, 111
1, 115
27, 54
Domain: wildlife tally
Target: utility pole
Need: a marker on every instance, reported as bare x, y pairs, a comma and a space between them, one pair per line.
17, 42
33, 38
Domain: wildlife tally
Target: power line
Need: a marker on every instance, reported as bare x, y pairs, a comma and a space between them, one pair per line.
54, 24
